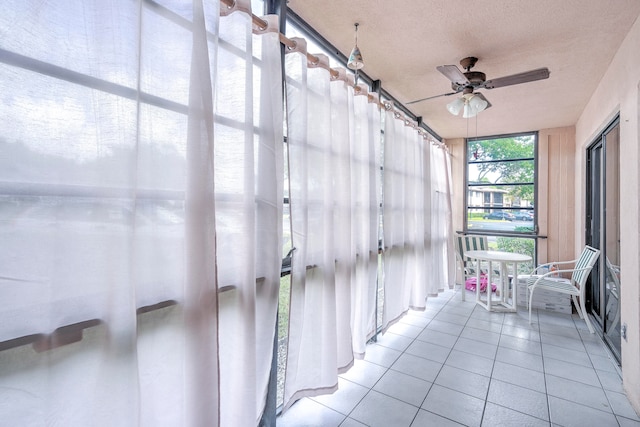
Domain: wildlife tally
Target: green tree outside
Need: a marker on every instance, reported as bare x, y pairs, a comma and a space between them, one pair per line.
484, 153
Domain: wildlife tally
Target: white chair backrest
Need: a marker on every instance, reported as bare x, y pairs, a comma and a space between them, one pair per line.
587, 260
469, 242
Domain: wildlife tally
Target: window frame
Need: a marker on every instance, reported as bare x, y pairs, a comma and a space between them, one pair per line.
468, 188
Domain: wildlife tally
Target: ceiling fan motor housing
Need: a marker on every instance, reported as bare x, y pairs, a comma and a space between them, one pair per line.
475, 79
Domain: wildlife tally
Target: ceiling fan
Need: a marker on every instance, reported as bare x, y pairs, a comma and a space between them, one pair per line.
468, 81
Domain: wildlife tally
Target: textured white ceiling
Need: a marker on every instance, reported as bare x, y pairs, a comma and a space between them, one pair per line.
402, 42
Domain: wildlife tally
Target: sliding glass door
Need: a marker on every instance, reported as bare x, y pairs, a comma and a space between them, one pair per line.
603, 232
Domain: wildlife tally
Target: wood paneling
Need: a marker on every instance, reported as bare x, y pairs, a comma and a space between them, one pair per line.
556, 194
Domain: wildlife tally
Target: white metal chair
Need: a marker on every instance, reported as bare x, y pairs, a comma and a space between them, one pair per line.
467, 266
574, 286
468, 242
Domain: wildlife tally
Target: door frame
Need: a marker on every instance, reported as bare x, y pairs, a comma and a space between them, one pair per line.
596, 224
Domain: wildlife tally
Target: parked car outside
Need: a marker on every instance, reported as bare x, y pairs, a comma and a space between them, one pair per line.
504, 215
524, 216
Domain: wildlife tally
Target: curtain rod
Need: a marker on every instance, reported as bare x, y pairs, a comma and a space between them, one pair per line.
376, 85
262, 25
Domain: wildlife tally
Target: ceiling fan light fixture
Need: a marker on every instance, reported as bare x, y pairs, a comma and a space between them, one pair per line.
477, 104
455, 106
470, 104
468, 112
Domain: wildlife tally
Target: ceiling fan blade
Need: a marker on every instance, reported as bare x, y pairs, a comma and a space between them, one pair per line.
454, 74
430, 97
527, 76
478, 94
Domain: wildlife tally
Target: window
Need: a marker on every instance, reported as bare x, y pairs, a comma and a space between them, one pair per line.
503, 170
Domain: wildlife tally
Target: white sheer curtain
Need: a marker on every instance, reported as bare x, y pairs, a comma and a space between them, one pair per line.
140, 213
249, 178
415, 218
340, 160
397, 281
442, 252
451, 257
405, 179
333, 138
365, 213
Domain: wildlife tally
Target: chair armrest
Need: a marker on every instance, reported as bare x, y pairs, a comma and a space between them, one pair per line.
556, 272
541, 266
573, 261
549, 264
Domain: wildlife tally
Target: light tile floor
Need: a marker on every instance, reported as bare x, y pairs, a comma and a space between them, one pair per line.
457, 364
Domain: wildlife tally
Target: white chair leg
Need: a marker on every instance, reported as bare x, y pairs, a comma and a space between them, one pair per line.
586, 317
574, 298
530, 292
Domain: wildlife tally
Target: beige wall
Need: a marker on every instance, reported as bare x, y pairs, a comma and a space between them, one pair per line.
619, 91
